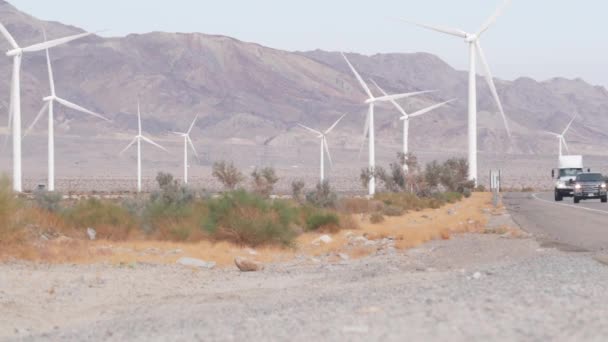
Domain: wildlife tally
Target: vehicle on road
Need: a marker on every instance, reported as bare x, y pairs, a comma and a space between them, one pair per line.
590, 186
568, 168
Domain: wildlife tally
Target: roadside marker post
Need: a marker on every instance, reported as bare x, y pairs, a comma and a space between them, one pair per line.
495, 176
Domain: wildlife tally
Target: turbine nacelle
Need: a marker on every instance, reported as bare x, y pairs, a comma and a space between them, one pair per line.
49, 98
471, 38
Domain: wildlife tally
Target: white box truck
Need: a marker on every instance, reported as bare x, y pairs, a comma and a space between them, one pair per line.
569, 167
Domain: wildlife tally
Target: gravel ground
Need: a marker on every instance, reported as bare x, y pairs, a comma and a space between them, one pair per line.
474, 287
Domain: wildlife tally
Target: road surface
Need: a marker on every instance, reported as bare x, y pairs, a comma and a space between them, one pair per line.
574, 227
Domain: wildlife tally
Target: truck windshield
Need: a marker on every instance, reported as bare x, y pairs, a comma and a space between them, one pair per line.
590, 177
569, 172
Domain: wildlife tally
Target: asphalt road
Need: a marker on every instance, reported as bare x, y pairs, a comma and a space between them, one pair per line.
569, 226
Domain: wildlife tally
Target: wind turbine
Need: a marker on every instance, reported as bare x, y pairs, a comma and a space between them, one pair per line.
49, 104
406, 120
138, 139
561, 137
369, 122
187, 141
472, 39
14, 117
324, 145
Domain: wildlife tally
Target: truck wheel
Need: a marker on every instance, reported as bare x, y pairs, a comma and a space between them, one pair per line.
576, 200
558, 197
604, 199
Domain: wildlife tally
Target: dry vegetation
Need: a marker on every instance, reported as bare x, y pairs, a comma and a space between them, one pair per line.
176, 221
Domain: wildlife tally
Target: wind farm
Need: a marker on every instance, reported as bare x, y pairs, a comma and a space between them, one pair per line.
303, 171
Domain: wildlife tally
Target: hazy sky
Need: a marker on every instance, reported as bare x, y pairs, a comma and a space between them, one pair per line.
535, 38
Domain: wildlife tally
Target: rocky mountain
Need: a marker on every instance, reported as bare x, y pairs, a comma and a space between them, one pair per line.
251, 94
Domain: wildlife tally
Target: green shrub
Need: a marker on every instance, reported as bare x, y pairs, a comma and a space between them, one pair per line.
49, 201
264, 181
323, 196
111, 221
322, 220
249, 219
227, 174
297, 188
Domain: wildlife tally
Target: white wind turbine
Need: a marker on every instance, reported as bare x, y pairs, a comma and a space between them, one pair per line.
49, 104
15, 103
138, 139
405, 117
324, 145
187, 141
561, 140
369, 122
472, 39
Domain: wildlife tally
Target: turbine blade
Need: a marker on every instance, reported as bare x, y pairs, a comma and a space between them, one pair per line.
490, 80
430, 109
493, 18
149, 141
310, 129
334, 125
53, 43
178, 133
38, 117
129, 146
446, 30
331, 162
565, 145
50, 68
192, 125
80, 109
569, 124
8, 36
192, 146
551, 133
397, 105
390, 98
363, 84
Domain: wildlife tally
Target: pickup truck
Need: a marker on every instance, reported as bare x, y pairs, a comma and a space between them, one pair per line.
590, 186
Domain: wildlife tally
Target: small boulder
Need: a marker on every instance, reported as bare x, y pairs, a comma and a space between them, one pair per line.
325, 239
245, 265
91, 233
192, 262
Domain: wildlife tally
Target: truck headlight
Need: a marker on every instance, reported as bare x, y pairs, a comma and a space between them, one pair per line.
578, 187
603, 185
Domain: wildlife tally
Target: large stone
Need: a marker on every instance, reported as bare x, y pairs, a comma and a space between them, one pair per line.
192, 262
325, 239
246, 265
91, 233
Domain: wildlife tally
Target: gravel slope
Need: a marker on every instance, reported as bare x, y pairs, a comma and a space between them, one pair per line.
475, 287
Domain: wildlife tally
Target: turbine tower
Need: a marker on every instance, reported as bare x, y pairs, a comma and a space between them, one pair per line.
405, 117
474, 46
14, 116
324, 145
50, 104
187, 141
369, 122
561, 138
138, 139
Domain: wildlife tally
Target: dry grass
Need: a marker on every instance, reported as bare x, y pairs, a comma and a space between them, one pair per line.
409, 230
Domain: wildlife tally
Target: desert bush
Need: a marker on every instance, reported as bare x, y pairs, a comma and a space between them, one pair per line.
351, 205
49, 201
323, 196
376, 218
171, 191
393, 210
264, 181
249, 219
432, 174
481, 188
227, 174
323, 220
366, 176
8, 206
297, 190
110, 220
